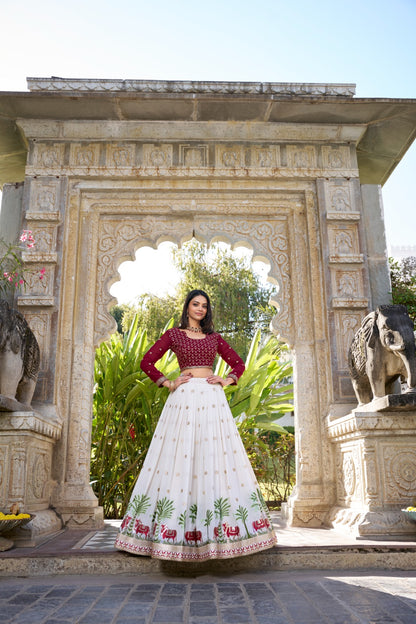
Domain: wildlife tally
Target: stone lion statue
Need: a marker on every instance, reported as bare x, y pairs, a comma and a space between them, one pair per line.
19, 360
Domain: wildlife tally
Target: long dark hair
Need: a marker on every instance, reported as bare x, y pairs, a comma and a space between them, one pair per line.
207, 325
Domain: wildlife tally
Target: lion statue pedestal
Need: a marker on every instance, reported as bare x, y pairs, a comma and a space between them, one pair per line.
27, 435
375, 457
27, 440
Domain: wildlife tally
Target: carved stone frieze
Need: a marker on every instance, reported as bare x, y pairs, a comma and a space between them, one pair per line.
36, 257
44, 194
350, 474
45, 242
343, 241
37, 283
201, 87
262, 156
359, 303
343, 216
49, 156
31, 421
339, 197
230, 156
177, 159
301, 157
84, 154
168, 171
336, 157
120, 155
157, 156
347, 284
34, 217
33, 301
193, 155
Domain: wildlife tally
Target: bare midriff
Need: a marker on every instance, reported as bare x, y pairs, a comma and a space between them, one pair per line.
200, 371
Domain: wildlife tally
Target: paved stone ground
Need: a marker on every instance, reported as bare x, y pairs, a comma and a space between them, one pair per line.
306, 597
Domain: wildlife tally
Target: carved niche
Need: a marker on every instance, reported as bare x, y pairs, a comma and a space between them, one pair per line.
118, 241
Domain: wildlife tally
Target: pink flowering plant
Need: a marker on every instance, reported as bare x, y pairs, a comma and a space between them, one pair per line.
12, 270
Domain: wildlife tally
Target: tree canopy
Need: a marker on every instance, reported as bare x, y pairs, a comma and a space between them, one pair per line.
239, 299
403, 283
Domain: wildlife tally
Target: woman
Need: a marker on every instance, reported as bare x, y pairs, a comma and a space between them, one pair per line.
196, 496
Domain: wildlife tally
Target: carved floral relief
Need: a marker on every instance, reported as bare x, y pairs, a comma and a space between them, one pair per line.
347, 284
158, 156
301, 157
49, 155
84, 154
400, 472
265, 156
343, 240
336, 157
43, 196
120, 155
230, 156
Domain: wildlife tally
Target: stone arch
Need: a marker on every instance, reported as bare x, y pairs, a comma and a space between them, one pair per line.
107, 228
119, 242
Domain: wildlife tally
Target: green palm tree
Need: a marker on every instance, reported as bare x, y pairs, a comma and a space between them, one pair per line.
207, 521
242, 514
193, 512
222, 509
139, 505
164, 510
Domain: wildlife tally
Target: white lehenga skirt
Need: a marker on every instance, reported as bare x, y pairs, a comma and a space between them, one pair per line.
196, 496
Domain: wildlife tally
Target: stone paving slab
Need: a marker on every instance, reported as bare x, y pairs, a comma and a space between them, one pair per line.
307, 597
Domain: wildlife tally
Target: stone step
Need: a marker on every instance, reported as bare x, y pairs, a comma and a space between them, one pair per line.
92, 552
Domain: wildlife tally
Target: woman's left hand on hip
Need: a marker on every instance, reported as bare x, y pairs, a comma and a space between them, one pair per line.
216, 379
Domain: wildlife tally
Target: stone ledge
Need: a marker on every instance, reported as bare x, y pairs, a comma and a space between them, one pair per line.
283, 558
189, 86
30, 420
390, 403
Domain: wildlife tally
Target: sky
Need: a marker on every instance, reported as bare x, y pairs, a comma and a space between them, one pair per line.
370, 43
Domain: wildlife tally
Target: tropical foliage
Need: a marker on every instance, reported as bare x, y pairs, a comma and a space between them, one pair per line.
127, 406
403, 283
239, 299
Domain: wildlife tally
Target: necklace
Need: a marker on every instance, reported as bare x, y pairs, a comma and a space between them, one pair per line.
197, 330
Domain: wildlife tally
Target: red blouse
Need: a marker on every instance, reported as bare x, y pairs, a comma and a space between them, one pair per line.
191, 353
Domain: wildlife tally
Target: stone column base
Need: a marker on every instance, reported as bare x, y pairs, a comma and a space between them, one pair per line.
78, 507
373, 524
306, 507
375, 457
